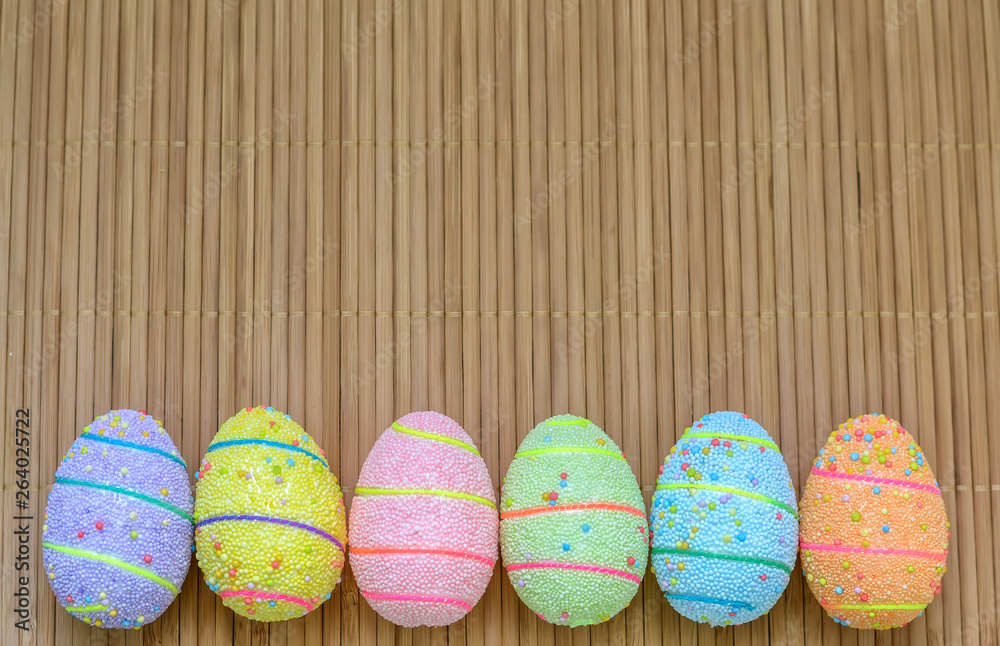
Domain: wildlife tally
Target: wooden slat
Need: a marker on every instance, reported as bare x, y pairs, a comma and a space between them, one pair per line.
639, 211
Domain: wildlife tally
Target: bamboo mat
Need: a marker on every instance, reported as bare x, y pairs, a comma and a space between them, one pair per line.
638, 211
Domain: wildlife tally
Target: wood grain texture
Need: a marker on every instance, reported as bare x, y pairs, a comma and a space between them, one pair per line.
639, 211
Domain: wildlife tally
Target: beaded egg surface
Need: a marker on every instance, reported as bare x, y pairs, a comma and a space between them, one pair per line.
724, 522
423, 523
270, 523
117, 536
874, 534
573, 529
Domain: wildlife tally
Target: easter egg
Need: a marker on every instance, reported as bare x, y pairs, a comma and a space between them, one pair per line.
118, 532
874, 534
724, 522
423, 523
270, 525
573, 530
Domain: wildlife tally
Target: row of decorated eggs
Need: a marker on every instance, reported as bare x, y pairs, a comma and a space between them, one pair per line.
270, 530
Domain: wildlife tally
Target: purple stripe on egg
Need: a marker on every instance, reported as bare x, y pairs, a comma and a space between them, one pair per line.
277, 521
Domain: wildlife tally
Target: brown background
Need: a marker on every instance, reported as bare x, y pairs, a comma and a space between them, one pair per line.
638, 211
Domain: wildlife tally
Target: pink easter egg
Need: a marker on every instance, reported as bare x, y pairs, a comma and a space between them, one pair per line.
423, 523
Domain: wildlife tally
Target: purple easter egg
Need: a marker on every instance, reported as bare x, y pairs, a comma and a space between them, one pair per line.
118, 530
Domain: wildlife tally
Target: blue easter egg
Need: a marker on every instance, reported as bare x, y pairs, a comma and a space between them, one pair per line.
724, 521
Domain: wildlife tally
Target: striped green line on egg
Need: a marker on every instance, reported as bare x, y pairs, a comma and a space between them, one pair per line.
580, 422
570, 449
732, 490
568, 422
91, 608
730, 436
111, 560
399, 428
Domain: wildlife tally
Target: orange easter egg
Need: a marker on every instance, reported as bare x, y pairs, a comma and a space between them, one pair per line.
873, 529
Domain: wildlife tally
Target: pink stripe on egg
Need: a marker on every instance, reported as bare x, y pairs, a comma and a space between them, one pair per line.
576, 566
267, 595
416, 597
874, 480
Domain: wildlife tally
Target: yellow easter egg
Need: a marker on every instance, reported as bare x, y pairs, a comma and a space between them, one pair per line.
270, 528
